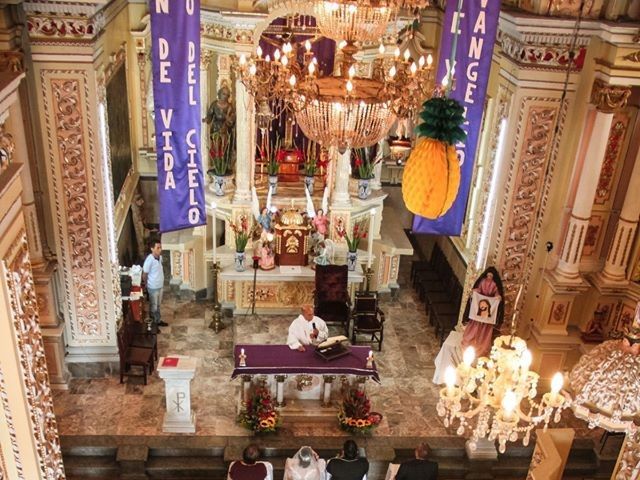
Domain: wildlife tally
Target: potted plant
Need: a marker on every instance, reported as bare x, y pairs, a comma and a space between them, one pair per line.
355, 415
311, 165
258, 413
359, 232
364, 162
241, 233
220, 160
271, 155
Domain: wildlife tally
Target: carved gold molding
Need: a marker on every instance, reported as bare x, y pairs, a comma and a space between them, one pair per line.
23, 304
530, 174
633, 57
609, 98
79, 219
629, 457
11, 430
7, 146
12, 61
72, 27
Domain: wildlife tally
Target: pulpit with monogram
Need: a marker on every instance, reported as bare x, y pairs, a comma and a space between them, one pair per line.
292, 239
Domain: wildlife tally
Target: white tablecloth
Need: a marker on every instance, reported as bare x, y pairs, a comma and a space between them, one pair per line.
449, 354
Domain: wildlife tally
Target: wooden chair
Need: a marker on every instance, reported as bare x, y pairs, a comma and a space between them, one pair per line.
331, 296
367, 318
131, 356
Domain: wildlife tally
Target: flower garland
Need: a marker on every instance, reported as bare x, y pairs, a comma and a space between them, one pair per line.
259, 413
355, 415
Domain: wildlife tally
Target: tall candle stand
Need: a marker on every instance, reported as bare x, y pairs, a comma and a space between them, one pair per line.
216, 322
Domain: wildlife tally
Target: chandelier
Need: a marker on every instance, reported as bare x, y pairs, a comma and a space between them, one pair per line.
359, 20
344, 110
497, 392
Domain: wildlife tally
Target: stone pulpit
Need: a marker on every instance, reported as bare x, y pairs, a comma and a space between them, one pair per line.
292, 239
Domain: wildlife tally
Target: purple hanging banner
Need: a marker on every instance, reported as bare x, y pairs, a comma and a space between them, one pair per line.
478, 27
175, 58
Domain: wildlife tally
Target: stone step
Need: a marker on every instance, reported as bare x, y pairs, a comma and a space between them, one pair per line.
89, 466
186, 467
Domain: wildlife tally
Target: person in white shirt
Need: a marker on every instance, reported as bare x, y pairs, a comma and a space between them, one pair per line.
305, 465
306, 329
153, 276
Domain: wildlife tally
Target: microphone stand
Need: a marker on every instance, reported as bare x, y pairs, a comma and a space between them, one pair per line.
253, 296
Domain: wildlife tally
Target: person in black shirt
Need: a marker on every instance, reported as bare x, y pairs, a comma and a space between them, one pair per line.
348, 466
419, 468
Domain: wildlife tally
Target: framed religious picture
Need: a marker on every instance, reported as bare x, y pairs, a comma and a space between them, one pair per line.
484, 309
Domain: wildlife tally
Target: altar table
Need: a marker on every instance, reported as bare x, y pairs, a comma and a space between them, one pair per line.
277, 291
279, 361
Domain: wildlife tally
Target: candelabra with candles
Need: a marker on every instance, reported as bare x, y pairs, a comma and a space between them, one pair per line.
497, 391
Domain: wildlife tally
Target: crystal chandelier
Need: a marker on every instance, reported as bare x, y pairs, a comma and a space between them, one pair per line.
359, 20
496, 392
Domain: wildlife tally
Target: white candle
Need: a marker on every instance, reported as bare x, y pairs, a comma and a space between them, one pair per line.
213, 231
372, 217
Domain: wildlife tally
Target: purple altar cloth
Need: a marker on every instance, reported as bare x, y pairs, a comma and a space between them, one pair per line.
280, 359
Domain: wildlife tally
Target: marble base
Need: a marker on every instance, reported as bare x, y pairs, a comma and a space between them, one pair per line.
485, 450
170, 425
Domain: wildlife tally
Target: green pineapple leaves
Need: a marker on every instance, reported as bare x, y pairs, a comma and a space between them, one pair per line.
441, 120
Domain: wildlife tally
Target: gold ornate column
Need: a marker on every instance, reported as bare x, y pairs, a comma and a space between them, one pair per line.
29, 444
606, 99
78, 176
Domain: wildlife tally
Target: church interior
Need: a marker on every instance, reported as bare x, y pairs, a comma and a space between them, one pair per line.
451, 186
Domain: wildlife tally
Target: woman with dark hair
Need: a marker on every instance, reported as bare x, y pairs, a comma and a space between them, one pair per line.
477, 334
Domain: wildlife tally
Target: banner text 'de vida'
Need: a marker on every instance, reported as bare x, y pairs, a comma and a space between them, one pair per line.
175, 31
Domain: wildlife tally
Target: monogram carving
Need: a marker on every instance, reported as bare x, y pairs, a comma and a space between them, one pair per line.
609, 98
32, 358
611, 156
633, 57
8, 420
530, 175
77, 27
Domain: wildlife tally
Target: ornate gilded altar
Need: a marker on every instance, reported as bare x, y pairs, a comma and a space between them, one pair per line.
292, 239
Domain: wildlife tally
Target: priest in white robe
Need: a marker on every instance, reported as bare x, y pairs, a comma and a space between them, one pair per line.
306, 329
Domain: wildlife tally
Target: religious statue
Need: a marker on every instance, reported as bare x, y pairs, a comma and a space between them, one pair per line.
264, 219
267, 255
221, 117
595, 328
320, 222
482, 320
323, 251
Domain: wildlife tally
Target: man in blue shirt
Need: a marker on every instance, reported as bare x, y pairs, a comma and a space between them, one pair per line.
153, 276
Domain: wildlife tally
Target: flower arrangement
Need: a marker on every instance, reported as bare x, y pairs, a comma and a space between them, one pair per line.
220, 154
359, 233
259, 413
241, 232
271, 155
355, 415
364, 162
311, 162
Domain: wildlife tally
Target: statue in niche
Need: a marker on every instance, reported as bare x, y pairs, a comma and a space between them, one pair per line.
595, 329
221, 117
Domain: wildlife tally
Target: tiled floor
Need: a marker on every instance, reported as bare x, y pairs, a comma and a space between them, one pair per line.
406, 396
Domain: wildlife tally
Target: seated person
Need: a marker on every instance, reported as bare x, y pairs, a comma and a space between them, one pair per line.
419, 468
306, 329
348, 466
305, 465
249, 468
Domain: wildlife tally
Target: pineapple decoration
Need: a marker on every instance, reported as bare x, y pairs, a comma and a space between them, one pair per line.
432, 174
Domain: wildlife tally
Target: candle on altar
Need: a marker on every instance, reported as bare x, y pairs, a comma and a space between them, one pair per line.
372, 216
213, 231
